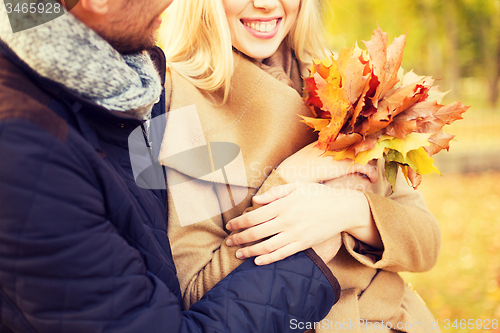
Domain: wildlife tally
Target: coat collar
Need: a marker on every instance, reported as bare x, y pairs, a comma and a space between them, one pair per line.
261, 117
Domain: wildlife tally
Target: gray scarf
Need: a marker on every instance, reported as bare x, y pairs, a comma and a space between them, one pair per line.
67, 51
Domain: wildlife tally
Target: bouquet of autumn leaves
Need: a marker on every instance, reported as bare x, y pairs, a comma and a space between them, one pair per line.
364, 107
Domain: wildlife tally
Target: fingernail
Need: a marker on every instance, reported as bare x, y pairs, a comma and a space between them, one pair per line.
229, 242
239, 255
258, 261
228, 226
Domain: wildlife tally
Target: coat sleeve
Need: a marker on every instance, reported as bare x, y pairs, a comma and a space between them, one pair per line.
409, 232
200, 253
65, 268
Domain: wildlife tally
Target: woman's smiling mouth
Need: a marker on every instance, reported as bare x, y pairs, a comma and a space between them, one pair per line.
262, 29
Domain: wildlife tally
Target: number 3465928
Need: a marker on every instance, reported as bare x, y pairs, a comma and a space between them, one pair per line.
485, 324
41, 8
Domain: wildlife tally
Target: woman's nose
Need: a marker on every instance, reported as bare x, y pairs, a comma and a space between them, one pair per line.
266, 4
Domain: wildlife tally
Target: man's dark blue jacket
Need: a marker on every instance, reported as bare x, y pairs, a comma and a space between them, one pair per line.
84, 249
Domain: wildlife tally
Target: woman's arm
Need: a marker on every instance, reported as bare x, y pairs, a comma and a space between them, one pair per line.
199, 251
409, 233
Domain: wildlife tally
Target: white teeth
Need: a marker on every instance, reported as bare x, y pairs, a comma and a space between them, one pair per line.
262, 26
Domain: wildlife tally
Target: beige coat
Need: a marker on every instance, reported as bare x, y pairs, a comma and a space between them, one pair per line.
261, 117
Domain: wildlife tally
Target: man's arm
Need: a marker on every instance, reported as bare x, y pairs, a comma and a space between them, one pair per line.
64, 267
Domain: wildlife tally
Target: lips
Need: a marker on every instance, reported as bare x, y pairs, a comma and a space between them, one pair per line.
262, 28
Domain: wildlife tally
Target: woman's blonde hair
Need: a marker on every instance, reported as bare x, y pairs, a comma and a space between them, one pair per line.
197, 42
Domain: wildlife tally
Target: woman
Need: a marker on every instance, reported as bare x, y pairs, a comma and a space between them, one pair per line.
235, 78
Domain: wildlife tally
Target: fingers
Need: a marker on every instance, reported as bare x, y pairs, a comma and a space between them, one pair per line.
255, 217
255, 233
265, 247
274, 249
279, 254
276, 193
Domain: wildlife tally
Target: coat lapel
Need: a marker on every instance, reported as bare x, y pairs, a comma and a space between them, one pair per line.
240, 142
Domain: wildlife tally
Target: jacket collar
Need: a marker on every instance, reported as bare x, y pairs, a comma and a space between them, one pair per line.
93, 111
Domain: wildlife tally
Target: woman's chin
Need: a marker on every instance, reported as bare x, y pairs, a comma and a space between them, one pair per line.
259, 54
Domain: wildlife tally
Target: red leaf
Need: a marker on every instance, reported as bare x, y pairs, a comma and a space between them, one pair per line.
439, 141
401, 127
430, 125
414, 178
394, 59
352, 69
368, 143
344, 141
422, 110
452, 112
377, 49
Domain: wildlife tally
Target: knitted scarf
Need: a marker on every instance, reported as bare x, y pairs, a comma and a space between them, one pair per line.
284, 66
66, 51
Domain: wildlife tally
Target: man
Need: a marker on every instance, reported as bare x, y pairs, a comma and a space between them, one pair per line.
83, 248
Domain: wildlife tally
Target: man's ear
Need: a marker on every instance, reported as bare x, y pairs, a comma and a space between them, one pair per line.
99, 7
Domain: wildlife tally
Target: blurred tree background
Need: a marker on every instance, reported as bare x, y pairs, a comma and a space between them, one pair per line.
458, 43
452, 40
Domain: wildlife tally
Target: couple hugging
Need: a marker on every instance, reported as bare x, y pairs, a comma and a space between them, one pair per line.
86, 247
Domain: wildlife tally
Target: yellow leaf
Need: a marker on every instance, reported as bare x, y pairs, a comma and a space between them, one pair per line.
333, 98
341, 155
335, 101
424, 164
327, 69
404, 170
325, 63
368, 155
411, 142
317, 124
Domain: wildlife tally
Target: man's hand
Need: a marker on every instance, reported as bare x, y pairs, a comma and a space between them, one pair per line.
296, 217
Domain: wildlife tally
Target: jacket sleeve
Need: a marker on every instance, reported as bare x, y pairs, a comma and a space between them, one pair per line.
240, 297
65, 268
